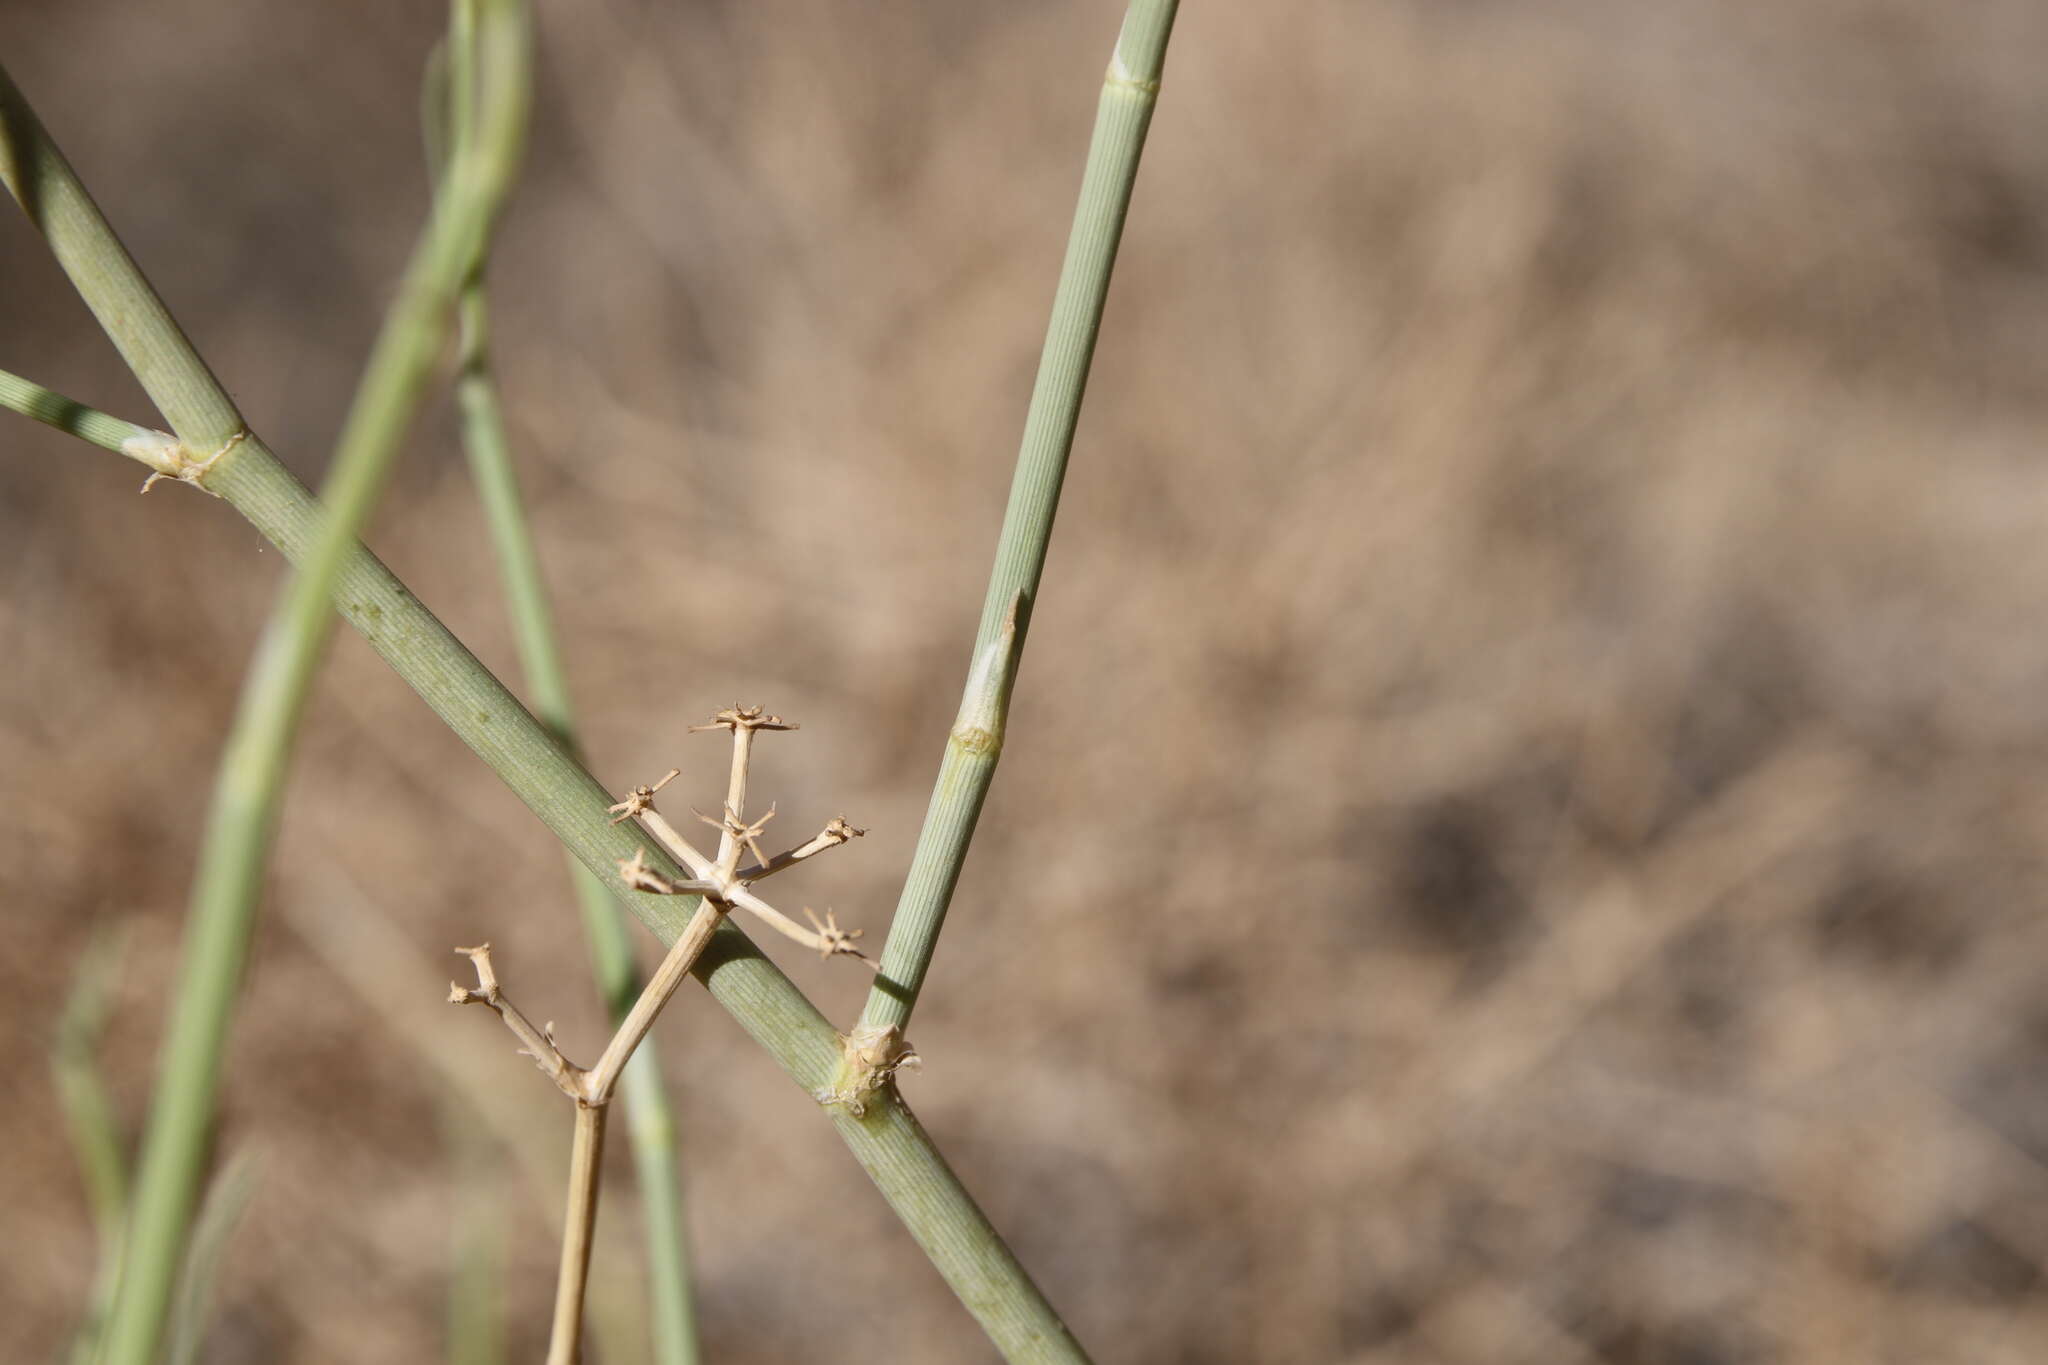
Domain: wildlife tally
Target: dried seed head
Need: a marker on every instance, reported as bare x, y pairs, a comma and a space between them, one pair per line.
638, 876
641, 798
744, 834
736, 718
831, 938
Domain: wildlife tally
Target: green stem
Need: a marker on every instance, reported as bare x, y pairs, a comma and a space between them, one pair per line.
128, 309
243, 819
68, 415
1129, 92
651, 1133
651, 1124
887, 1141
219, 1212
95, 1131
476, 1289
82, 1090
651, 1128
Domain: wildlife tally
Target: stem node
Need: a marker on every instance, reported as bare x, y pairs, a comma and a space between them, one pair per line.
869, 1059
171, 458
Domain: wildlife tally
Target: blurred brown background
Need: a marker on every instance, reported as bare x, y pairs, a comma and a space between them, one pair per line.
1522, 833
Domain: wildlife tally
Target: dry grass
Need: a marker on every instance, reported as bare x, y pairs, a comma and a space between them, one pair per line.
1560, 503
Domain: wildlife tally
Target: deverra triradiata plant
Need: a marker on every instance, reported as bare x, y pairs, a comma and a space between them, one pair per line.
210, 446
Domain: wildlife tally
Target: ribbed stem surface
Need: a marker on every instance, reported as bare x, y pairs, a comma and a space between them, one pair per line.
1130, 89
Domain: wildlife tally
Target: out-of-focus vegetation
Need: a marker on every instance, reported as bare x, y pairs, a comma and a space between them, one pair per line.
1518, 840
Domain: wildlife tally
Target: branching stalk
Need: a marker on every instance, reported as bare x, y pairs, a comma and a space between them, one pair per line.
592, 1093
1130, 89
592, 1089
661, 987
129, 311
885, 1138
74, 418
889, 1144
651, 1133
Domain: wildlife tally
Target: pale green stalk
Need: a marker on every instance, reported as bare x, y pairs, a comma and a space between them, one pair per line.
226, 1199
129, 311
887, 1142
82, 1089
95, 1130
249, 790
886, 1139
31, 399
1130, 89
651, 1126
476, 1290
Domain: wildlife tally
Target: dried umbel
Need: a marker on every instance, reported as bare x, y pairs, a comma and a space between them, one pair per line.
724, 886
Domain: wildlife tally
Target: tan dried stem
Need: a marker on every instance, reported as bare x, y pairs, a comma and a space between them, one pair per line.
681, 849
639, 804
732, 833
839, 943
743, 721
592, 1090
539, 1042
660, 988
720, 879
639, 876
722, 887
835, 833
579, 1235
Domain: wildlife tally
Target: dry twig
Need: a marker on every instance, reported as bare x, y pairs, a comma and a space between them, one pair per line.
723, 886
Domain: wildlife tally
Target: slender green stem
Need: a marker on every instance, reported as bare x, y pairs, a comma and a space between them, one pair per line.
221, 1210
82, 1089
1129, 91
31, 399
490, 461
476, 1289
95, 1130
651, 1128
886, 1140
651, 1133
249, 790
129, 311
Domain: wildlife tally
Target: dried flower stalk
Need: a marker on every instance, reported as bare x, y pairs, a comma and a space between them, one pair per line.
723, 888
